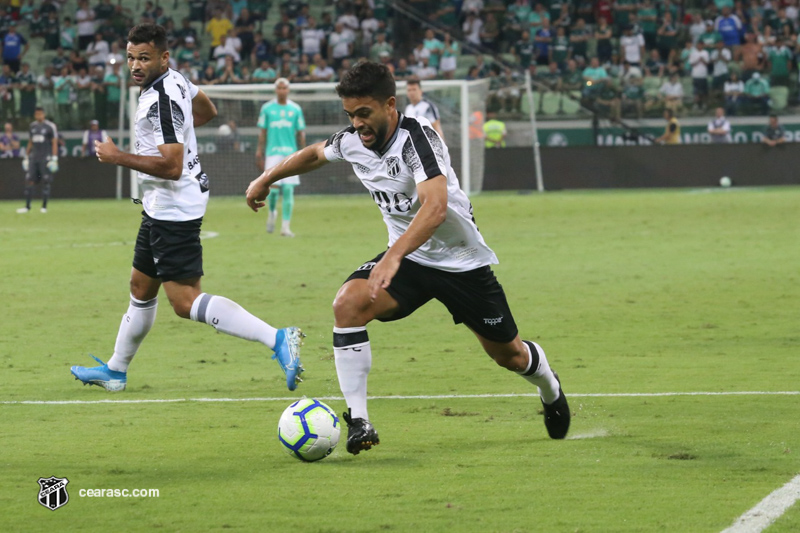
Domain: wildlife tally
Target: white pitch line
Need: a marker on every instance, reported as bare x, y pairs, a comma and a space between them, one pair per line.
420, 397
767, 510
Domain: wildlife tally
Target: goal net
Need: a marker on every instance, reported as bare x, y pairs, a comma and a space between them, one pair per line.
227, 144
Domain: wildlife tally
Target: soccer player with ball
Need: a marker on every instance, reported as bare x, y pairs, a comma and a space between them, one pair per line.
435, 248
174, 189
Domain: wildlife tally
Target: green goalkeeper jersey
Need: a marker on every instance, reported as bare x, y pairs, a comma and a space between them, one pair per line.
282, 123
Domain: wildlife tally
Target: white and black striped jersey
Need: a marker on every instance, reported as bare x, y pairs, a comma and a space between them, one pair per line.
415, 153
423, 108
164, 116
41, 135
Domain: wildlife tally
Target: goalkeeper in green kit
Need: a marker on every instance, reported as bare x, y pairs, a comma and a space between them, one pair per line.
282, 130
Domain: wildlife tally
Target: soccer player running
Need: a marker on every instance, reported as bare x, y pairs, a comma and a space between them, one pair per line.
281, 126
435, 249
174, 195
419, 106
40, 160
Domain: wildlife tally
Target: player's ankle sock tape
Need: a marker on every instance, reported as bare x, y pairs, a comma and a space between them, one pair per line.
344, 337
533, 365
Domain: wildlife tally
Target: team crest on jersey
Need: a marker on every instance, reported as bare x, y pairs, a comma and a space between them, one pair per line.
53, 492
392, 166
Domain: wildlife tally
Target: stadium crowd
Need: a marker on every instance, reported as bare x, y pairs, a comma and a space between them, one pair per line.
620, 57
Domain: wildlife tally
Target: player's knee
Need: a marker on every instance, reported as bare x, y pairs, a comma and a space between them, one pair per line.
350, 306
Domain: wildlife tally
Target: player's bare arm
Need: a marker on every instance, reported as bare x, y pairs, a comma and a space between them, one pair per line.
437, 125
169, 165
203, 109
54, 146
308, 159
432, 213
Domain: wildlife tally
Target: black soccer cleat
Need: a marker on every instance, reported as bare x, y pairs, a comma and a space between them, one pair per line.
361, 435
556, 415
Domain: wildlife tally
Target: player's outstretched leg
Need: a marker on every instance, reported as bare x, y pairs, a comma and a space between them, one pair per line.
227, 316
353, 356
110, 380
556, 409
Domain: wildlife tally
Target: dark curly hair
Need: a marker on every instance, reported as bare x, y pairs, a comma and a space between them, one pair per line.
149, 33
367, 79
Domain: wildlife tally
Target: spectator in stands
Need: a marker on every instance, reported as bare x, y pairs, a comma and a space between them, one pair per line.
571, 78
699, 60
696, 28
45, 84
77, 61
449, 59
633, 95
720, 57
543, 40
27, 10
380, 45
288, 69
346, 64
523, 51
51, 30
654, 67
63, 85
36, 24
780, 61
602, 35
283, 26
631, 46
667, 39
756, 93
15, 46
83, 88
245, 30
188, 52
672, 132
370, 26
594, 73
579, 37
648, 19
426, 71
751, 56
264, 73
774, 134
68, 37
340, 44
322, 71
94, 133
348, 19
472, 29
25, 81
719, 128
710, 36
84, 16
490, 33
209, 75
8, 110
312, 38
607, 101
262, 50
229, 73
98, 51
672, 93
218, 27
104, 10
402, 71
560, 51
186, 30
729, 27
434, 47
9, 142
223, 51
734, 93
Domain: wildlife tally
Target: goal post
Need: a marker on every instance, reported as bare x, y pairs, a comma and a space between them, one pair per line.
227, 144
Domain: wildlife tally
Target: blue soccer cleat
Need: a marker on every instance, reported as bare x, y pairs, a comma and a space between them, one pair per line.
110, 380
287, 352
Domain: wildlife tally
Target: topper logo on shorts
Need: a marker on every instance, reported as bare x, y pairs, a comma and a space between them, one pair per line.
493, 321
53, 492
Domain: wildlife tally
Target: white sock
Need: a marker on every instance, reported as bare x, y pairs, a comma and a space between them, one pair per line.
136, 323
229, 317
285, 225
273, 215
542, 376
353, 356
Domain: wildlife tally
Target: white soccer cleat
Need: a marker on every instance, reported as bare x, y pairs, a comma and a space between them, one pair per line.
286, 233
23, 210
43, 210
271, 222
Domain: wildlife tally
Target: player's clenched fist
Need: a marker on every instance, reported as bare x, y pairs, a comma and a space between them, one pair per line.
256, 194
106, 151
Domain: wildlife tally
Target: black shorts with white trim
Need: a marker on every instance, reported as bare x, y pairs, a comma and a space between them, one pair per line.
474, 298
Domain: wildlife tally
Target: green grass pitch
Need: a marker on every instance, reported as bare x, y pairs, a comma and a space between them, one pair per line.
628, 292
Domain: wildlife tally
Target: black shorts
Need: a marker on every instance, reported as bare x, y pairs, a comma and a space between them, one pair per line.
474, 298
38, 171
169, 250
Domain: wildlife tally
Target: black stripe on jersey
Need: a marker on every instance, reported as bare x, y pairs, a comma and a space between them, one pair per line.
165, 113
434, 109
422, 147
335, 140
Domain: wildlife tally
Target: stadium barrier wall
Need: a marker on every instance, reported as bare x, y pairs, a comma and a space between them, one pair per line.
589, 167
77, 177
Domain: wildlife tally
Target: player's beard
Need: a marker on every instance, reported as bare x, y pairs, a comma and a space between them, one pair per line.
379, 136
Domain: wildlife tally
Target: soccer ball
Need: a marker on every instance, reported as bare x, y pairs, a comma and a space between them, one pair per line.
224, 130
309, 430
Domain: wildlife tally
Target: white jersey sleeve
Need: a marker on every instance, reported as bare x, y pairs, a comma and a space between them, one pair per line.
334, 146
423, 152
